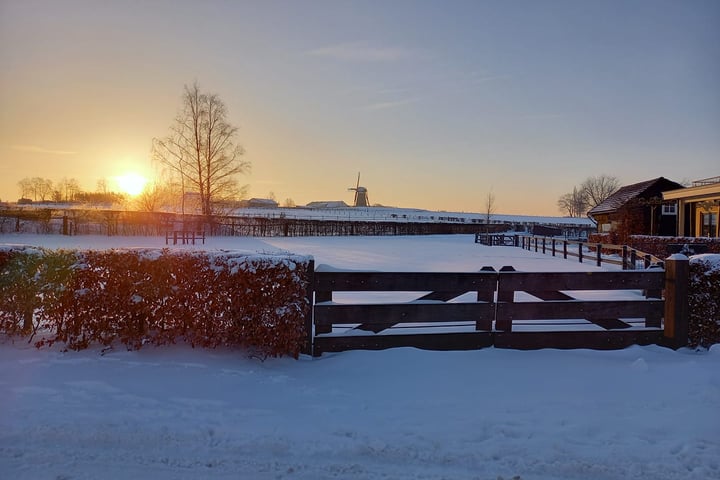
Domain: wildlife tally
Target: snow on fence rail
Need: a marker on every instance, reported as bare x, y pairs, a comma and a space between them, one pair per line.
508, 309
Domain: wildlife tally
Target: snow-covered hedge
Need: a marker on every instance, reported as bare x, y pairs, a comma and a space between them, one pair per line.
152, 296
704, 300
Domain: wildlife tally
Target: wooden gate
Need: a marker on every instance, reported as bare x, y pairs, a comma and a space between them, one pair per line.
506, 309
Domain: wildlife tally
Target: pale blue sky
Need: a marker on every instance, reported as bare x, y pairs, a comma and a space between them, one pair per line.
436, 102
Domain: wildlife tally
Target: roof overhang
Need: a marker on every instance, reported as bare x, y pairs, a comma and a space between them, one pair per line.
694, 194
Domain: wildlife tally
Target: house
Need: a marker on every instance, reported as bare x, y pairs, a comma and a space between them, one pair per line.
698, 208
638, 209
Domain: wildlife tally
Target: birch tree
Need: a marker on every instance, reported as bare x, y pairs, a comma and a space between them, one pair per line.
201, 150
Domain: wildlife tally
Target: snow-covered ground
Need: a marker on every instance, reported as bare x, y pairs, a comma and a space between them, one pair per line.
177, 413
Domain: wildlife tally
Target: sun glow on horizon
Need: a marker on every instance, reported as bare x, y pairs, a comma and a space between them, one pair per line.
131, 183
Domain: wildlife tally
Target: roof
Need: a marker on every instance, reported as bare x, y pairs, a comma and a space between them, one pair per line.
328, 204
629, 192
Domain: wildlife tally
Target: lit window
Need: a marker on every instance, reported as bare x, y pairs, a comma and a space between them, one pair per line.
669, 209
709, 224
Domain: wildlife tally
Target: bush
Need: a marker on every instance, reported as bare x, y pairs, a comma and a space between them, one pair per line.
704, 301
150, 296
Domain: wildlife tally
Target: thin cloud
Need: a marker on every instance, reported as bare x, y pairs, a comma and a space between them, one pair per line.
361, 52
387, 105
36, 149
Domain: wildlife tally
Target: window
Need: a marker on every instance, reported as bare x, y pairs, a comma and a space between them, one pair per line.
669, 209
709, 224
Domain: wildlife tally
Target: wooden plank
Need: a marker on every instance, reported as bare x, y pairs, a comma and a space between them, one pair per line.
382, 314
567, 340
550, 295
438, 341
434, 296
441, 296
609, 323
405, 281
620, 280
553, 310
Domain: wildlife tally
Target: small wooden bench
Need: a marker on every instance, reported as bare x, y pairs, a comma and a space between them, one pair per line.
184, 236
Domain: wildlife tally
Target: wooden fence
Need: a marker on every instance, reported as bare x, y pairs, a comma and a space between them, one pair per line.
627, 257
506, 309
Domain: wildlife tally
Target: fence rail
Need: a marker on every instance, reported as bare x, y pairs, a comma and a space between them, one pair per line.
627, 257
508, 309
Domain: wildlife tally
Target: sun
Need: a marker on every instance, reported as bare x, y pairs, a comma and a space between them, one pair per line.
131, 183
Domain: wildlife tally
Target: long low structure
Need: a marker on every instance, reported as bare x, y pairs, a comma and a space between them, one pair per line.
49, 218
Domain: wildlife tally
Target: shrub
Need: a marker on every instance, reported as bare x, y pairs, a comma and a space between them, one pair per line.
704, 300
150, 296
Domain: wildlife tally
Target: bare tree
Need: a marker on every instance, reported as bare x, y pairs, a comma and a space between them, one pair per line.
597, 189
68, 188
201, 150
489, 209
102, 186
289, 203
41, 188
574, 204
152, 197
25, 186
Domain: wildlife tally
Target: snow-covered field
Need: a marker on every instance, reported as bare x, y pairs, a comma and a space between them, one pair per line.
176, 413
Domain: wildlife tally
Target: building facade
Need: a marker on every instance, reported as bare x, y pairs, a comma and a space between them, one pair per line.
698, 208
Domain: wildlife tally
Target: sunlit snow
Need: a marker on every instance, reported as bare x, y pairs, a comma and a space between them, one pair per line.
179, 413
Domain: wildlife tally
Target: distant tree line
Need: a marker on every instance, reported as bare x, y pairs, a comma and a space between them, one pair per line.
589, 194
66, 190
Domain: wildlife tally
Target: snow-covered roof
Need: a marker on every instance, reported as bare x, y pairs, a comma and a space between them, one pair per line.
328, 204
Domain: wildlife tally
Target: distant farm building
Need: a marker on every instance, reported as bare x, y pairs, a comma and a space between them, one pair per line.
330, 204
259, 203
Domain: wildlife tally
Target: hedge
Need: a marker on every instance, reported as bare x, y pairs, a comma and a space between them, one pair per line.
151, 296
704, 300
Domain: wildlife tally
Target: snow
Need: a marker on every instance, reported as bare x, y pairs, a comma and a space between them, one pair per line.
712, 260
179, 413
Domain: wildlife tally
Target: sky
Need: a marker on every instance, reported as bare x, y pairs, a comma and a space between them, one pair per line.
437, 103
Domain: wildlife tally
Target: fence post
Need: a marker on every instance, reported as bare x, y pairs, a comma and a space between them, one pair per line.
565, 249
580, 252
323, 296
553, 246
647, 260
677, 286
308, 347
536, 245
486, 296
599, 255
624, 257
543, 245
633, 259
503, 321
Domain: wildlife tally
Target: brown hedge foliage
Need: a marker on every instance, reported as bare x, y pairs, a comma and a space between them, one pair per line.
157, 297
704, 304
658, 246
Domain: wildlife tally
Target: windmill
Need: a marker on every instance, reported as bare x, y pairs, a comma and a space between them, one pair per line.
361, 196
